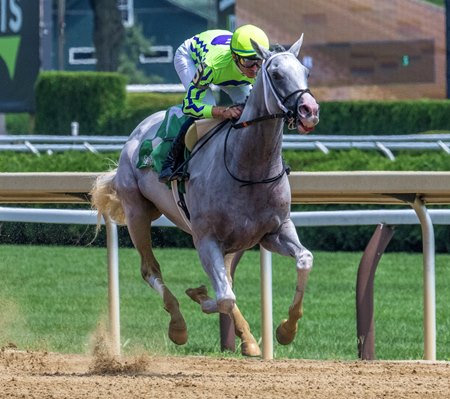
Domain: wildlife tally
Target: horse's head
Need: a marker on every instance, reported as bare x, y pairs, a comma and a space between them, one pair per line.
285, 81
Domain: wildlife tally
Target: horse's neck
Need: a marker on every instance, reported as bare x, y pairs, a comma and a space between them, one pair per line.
258, 146
269, 132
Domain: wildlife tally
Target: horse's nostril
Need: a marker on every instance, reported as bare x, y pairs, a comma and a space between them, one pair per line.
304, 110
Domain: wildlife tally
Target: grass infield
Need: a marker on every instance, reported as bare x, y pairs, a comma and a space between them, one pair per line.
55, 299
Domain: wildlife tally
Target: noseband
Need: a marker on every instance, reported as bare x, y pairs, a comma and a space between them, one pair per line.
290, 116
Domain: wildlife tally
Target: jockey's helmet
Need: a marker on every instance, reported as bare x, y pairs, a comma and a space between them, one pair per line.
240, 41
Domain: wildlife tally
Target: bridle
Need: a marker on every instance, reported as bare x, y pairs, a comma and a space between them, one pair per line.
290, 116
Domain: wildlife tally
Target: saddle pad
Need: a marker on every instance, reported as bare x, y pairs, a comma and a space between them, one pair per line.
198, 129
153, 152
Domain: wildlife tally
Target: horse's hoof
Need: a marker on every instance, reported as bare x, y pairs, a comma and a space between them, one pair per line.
198, 294
178, 331
178, 336
284, 334
250, 349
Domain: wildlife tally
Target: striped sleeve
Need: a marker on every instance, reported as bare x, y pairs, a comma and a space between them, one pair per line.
193, 104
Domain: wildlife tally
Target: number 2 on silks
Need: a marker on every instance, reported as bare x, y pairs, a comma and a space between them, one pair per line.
198, 76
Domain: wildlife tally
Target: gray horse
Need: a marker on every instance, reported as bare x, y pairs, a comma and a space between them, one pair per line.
238, 195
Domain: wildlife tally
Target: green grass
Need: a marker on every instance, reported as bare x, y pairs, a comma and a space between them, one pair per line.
437, 2
54, 298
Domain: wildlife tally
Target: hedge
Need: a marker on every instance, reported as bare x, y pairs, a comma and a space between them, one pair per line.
140, 105
96, 100
99, 102
383, 117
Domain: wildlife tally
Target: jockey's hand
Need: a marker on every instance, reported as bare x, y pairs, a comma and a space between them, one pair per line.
233, 112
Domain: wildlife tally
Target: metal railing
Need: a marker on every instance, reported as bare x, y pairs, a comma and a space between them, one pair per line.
386, 144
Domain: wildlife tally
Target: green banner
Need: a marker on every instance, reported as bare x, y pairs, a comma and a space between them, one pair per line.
9, 47
19, 54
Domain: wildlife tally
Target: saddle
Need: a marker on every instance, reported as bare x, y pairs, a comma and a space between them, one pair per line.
153, 151
197, 130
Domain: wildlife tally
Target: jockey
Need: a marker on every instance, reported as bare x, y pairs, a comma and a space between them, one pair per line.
213, 57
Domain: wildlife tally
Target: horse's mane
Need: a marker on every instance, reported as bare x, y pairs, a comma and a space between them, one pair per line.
277, 48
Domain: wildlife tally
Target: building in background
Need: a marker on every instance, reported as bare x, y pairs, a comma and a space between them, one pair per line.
360, 49
165, 23
356, 49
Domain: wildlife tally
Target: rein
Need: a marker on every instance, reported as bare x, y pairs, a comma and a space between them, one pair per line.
285, 169
288, 115
259, 119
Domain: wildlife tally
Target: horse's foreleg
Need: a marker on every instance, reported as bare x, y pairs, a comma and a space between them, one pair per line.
249, 346
286, 242
139, 214
212, 260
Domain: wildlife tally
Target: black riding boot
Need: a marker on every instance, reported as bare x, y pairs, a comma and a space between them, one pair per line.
175, 156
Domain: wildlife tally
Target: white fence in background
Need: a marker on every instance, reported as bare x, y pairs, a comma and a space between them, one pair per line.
384, 144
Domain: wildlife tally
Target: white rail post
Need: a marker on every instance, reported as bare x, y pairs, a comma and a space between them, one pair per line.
429, 286
266, 303
113, 284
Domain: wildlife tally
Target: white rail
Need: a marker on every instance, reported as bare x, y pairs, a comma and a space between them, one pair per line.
386, 144
300, 219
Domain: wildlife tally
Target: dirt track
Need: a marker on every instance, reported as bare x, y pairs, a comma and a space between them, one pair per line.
50, 375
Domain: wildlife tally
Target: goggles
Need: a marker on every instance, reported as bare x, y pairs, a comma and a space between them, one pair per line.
249, 62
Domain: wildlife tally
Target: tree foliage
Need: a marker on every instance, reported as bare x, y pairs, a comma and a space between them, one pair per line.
108, 34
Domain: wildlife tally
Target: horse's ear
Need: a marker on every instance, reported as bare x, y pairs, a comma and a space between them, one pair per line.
295, 48
261, 51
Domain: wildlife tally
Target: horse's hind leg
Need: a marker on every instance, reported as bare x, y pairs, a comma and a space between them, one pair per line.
139, 213
286, 242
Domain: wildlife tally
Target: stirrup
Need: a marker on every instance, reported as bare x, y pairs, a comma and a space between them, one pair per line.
179, 175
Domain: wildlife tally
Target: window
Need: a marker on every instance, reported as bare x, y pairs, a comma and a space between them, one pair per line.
127, 11
82, 56
157, 54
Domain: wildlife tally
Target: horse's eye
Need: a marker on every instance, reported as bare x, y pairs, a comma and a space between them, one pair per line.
276, 75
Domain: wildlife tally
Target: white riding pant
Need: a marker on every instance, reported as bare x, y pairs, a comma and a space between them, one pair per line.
186, 69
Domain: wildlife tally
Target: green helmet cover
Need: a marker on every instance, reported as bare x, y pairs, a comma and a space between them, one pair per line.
240, 41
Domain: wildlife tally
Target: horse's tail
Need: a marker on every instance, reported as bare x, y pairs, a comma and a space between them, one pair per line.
104, 198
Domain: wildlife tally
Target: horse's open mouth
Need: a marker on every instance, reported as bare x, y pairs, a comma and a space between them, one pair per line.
302, 129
